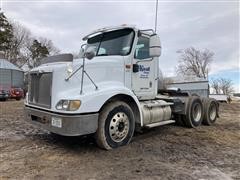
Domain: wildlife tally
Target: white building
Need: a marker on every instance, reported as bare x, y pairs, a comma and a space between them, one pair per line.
10, 75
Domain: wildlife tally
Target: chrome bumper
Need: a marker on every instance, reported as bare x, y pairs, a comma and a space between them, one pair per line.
71, 125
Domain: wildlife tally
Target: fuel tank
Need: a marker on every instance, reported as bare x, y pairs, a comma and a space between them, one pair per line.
155, 111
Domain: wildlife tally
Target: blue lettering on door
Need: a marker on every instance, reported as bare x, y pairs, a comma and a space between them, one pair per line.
144, 71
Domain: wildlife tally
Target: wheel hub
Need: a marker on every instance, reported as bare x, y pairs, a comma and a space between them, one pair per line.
197, 111
213, 112
119, 127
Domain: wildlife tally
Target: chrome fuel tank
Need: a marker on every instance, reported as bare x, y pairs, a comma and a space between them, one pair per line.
155, 111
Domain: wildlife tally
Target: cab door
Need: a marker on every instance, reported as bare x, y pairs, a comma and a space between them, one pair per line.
144, 70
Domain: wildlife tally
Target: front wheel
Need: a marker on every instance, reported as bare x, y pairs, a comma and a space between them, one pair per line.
115, 125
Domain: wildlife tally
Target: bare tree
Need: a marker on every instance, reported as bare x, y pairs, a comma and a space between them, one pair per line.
226, 86
50, 46
222, 85
27, 51
17, 43
215, 85
195, 62
19, 40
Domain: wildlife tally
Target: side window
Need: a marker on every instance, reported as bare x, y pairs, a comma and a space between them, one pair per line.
142, 49
102, 51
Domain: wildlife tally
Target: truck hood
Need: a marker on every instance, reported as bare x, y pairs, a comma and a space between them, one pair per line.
97, 62
102, 70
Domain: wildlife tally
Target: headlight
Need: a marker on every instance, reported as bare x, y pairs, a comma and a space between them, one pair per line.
68, 105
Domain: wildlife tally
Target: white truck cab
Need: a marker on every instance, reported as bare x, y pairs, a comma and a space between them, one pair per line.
111, 91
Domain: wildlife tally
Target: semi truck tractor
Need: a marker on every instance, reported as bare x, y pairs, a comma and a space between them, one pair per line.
111, 91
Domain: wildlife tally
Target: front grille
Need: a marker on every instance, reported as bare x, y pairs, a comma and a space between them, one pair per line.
40, 89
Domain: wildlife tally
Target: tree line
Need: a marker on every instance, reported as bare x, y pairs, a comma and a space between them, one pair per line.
195, 62
19, 46
222, 86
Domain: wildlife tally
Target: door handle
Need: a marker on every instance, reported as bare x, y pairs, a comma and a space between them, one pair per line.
135, 68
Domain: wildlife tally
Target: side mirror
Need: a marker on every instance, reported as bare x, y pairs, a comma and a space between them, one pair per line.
155, 46
90, 52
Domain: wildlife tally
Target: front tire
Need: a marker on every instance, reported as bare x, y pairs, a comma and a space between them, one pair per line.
116, 125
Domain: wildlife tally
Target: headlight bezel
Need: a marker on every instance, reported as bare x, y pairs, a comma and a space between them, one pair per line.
68, 105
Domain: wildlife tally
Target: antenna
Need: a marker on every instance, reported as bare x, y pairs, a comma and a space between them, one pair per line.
156, 16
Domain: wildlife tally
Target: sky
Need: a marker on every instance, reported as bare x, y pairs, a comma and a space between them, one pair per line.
181, 24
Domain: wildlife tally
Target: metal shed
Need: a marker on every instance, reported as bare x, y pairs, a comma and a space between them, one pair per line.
192, 85
10, 75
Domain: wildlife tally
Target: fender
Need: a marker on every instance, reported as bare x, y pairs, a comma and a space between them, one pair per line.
94, 100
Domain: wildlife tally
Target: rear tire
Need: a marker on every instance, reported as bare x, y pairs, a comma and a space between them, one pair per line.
194, 115
210, 111
116, 125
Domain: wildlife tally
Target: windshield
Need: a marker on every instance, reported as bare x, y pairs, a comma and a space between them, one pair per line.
117, 42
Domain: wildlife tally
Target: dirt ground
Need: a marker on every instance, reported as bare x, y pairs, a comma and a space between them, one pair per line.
167, 152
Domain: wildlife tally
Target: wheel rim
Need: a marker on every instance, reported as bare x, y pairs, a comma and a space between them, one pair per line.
119, 127
212, 112
197, 112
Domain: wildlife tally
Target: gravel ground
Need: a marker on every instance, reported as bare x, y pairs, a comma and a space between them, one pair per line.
167, 152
